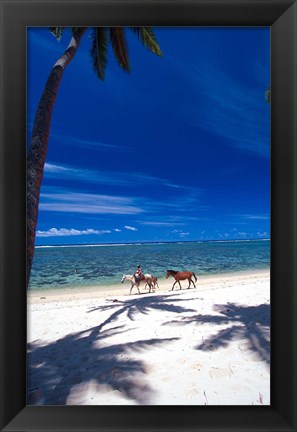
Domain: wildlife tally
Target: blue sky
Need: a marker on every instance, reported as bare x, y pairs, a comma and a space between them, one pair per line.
179, 149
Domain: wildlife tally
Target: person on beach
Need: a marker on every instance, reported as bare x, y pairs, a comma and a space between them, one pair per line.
138, 274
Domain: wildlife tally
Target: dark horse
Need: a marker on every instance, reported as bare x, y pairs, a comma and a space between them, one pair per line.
178, 276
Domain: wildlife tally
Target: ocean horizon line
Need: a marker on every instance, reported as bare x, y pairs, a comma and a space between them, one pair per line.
141, 243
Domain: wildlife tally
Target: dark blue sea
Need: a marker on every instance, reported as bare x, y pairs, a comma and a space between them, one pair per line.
64, 267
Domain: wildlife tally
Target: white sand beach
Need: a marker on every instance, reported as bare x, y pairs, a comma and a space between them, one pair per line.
203, 346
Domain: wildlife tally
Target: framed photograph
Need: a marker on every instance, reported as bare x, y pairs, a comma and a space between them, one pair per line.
160, 211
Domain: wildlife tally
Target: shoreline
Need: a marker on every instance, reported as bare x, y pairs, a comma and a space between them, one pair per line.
103, 291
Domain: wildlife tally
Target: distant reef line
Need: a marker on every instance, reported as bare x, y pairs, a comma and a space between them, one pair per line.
151, 243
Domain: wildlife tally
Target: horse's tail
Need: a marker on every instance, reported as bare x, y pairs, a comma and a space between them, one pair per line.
195, 277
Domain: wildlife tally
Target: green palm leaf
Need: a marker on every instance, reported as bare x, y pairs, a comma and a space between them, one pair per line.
98, 50
57, 32
148, 39
120, 47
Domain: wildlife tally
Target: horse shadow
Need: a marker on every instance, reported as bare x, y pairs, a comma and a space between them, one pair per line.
244, 322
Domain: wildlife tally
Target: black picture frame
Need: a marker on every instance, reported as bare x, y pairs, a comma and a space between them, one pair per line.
16, 16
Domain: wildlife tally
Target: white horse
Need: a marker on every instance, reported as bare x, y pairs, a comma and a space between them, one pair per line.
146, 280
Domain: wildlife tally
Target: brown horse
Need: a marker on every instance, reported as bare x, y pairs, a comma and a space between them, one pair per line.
154, 282
178, 276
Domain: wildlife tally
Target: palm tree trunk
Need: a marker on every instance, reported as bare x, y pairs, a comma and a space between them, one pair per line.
39, 140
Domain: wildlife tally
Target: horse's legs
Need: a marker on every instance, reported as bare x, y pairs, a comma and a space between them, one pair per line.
173, 285
190, 280
137, 286
179, 285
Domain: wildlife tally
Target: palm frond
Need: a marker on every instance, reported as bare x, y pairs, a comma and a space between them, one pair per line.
57, 32
76, 30
120, 47
98, 50
148, 39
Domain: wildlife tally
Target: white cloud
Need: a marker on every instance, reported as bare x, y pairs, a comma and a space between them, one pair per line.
87, 203
258, 217
99, 176
117, 230
82, 174
130, 228
161, 224
53, 168
264, 216
87, 143
262, 234
63, 232
181, 233
184, 234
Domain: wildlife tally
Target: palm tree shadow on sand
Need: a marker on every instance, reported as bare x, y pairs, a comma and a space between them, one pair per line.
53, 374
244, 322
143, 305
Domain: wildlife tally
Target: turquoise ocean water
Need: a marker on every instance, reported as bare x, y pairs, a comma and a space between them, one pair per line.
64, 267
